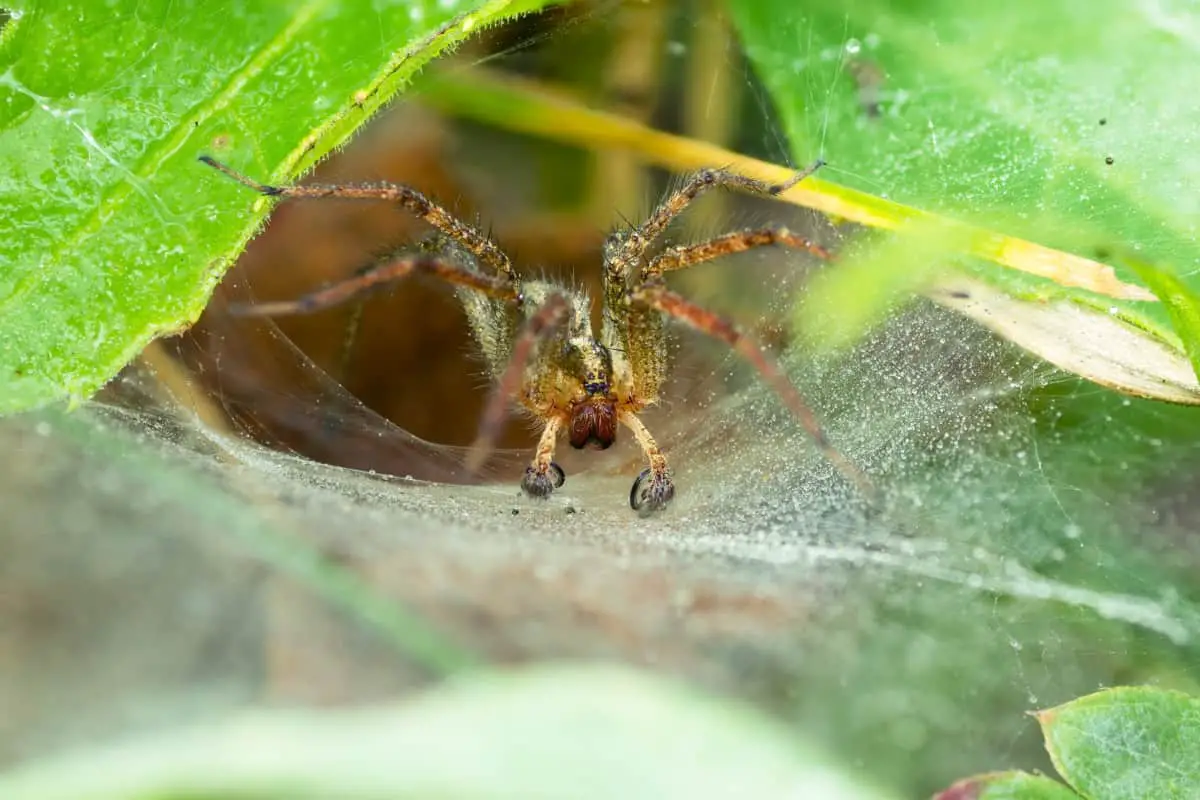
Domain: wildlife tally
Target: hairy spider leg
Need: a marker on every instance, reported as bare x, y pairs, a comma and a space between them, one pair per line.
407, 197
683, 256
659, 297
548, 318
625, 250
707, 179
394, 270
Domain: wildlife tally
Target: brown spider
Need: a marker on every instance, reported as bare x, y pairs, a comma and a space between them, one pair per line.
536, 337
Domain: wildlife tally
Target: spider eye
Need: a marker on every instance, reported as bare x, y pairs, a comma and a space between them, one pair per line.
593, 425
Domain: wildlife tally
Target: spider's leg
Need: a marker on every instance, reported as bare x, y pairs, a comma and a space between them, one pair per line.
659, 297
407, 197
625, 251
684, 256
543, 476
653, 488
643, 235
391, 271
549, 317
707, 179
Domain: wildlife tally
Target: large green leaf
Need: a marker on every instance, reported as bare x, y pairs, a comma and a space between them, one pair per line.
114, 233
579, 732
1127, 743
1059, 121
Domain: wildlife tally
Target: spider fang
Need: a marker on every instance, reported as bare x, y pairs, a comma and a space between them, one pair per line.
593, 424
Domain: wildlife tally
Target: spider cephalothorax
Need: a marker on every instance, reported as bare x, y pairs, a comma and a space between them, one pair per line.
536, 337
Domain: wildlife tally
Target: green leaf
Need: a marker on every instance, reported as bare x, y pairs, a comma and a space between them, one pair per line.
1127, 743
118, 233
1001, 115
580, 732
1007, 786
1181, 301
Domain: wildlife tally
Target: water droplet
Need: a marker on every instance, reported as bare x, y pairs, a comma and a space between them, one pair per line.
853, 47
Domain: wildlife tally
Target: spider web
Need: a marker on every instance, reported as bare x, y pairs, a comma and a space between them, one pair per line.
1036, 543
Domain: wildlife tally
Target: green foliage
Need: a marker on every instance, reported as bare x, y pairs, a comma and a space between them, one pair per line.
1119, 744
121, 237
1181, 301
1059, 122
1127, 744
1033, 569
116, 233
580, 732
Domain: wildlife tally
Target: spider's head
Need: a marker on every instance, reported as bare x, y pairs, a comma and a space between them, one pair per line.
593, 423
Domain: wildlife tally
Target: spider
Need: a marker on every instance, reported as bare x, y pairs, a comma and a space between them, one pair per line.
536, 337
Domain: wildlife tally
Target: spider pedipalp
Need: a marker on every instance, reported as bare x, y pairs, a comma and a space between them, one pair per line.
537, 339
537, 483
651, 492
